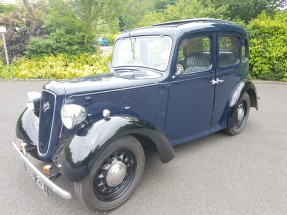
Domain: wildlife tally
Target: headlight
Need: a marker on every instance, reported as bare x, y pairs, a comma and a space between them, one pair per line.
72, 115
31, 98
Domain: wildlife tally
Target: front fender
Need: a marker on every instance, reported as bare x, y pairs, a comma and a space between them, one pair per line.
80, 153
27, 127
243, 86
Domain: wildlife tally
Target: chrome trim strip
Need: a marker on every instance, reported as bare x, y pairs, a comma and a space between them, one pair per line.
62, 125
59, 191
114, 90
51, 125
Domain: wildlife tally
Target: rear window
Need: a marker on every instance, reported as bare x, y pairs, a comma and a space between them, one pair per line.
244, 51
229, 46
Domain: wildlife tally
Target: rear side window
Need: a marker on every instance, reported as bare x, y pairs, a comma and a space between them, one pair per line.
229, 46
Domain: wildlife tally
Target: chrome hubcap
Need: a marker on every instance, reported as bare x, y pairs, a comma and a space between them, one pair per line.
116, 174
240, 113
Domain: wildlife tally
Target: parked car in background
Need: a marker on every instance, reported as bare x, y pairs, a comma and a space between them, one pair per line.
169, 84
102, 41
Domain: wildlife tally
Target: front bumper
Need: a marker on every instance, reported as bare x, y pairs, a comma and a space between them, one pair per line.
51, 185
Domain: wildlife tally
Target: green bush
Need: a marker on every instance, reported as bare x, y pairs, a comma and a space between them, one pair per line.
56, 43
55, 67
268, 49
7, 8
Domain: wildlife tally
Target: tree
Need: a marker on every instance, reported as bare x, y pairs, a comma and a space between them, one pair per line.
21, 24
133, 11
160, 5
184, 9
247, 10
88, 13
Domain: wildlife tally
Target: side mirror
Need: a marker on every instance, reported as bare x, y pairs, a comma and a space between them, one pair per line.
110, 67
179, 71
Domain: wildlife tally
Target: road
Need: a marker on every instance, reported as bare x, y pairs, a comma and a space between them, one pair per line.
106, 49
218, 174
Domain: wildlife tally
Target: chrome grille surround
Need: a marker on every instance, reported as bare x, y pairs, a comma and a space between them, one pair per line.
46, 121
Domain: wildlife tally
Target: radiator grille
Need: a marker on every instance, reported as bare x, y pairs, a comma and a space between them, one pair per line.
47, 112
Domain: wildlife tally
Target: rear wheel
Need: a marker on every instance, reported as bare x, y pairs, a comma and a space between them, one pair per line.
114, 177
242, 113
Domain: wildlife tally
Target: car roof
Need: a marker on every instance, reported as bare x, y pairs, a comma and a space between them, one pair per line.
179, 28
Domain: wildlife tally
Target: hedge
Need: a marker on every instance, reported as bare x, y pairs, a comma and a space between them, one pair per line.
268, 47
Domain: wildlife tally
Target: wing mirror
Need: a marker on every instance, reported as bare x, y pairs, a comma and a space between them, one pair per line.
179, 71
110, 67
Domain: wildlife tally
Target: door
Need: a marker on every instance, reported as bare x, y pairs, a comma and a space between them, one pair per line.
191, 94
229, 72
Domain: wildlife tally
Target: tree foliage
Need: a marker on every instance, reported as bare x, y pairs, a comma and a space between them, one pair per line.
160, 5
88, 13
21, 24
133, 11
247, 10
268, 50
58, 42
184, 9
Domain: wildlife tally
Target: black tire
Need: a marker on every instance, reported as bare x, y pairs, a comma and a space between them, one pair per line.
95, 192
238, 125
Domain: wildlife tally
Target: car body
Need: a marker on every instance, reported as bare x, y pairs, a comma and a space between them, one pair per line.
169, 84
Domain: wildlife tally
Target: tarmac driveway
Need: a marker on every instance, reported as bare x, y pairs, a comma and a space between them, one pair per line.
218, 174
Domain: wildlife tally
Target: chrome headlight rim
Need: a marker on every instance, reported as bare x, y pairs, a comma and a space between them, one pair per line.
72, 115
30, 99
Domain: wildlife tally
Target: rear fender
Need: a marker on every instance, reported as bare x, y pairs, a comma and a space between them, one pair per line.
80, 152
237, 93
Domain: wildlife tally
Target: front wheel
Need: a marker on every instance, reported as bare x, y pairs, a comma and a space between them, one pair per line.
114, 177
238, 122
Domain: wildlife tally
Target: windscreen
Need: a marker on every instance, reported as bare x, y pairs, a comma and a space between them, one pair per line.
151, 52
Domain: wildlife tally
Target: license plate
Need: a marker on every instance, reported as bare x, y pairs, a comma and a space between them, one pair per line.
36, 179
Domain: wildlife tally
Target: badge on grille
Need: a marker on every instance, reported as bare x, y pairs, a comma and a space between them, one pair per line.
46, 106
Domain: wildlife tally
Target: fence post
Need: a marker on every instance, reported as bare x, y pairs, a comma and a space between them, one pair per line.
2, 31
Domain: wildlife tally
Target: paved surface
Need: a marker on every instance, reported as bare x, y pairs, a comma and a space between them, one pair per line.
107, 49
218, 174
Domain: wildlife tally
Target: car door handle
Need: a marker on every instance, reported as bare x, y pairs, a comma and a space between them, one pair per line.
214, 82
217, 81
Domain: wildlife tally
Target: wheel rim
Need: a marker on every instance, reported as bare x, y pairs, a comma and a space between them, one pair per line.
114, 175
241, 113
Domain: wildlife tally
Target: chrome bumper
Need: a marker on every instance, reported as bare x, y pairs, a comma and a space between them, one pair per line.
59, 191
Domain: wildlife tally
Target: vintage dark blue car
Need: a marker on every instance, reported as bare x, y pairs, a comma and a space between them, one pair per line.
169, 84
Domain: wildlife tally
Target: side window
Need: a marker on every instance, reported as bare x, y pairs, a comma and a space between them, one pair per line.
228, 50
244, 52
195, 54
